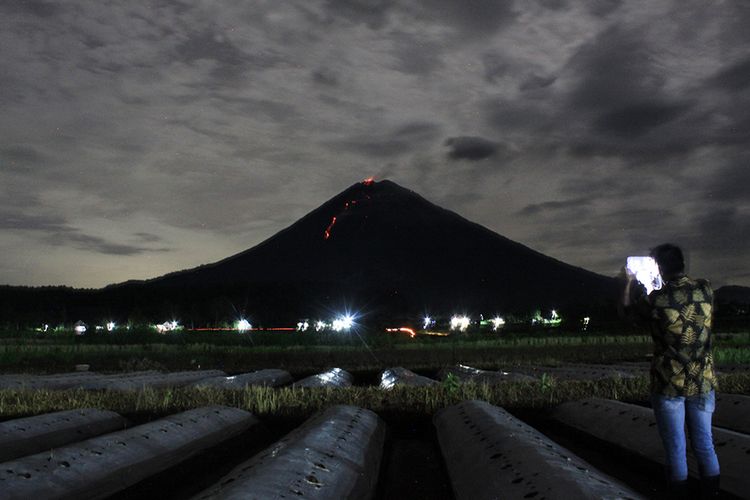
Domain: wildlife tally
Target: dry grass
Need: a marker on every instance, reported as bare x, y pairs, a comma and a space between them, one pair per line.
288, 402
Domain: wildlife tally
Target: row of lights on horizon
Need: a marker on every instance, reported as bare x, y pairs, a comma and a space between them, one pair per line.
341, 323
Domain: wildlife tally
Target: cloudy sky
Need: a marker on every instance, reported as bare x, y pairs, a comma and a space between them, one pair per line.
143, 137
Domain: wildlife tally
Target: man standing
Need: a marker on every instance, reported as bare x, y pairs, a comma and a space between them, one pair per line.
683, 382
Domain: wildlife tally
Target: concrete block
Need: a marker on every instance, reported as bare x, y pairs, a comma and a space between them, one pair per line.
633, 428
490, 454
266, 378
334, 455
469, 374
335, 377
102, 466
401, 376
733, 413
49, 382
62, 381
581, 371
153, 381
27, 436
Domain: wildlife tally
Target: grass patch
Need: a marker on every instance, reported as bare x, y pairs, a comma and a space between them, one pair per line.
311, 359
308, 359
299, 403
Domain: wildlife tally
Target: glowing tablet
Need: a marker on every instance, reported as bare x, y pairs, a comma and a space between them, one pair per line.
646, 272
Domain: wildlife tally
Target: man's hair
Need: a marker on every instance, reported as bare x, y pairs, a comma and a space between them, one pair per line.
670, 260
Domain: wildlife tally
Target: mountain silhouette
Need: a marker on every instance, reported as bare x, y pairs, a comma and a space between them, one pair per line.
379, 243
375, 247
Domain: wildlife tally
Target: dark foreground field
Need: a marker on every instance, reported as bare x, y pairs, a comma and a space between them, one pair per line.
412, 465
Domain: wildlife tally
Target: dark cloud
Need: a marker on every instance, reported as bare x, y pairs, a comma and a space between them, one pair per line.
26, 222
730, 184
210, 45
603, 8
734, 78
614, 69
639, 118
554, 206
37, 8
472, 18
268, 109
618, 105
97, 245
495, 67
405, 139
554, 4
372, 13
57, 231
325, 76
520, 114
417, 56
230, 61
470, 148
535, 82
718, 235
148, 237
20, 157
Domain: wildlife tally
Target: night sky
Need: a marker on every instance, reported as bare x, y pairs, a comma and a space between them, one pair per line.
143, 137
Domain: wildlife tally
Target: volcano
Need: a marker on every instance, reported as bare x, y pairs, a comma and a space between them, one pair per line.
379, 245
376, 247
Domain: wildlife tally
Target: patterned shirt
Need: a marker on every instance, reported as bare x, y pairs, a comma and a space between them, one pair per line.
681, 317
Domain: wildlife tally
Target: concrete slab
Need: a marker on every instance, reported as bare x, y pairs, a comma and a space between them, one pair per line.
63, 381
51, 382
335, 377
334, 455
265, 378
153, 381
490, 454
633, 428
102, 466
581, 372
733, 413
401, 376
27, 436
469, 374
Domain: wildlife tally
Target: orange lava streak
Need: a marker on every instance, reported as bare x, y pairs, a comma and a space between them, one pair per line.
327, 233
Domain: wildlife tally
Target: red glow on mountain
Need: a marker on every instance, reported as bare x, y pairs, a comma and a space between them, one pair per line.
347, 205
327, 233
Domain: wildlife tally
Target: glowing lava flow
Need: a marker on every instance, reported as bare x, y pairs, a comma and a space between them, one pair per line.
327, 233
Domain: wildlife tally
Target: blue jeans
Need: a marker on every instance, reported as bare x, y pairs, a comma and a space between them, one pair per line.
671, 414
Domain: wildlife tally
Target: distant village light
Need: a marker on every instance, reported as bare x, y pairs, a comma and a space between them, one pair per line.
460, 323
167, 326
343, 323
497, 323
